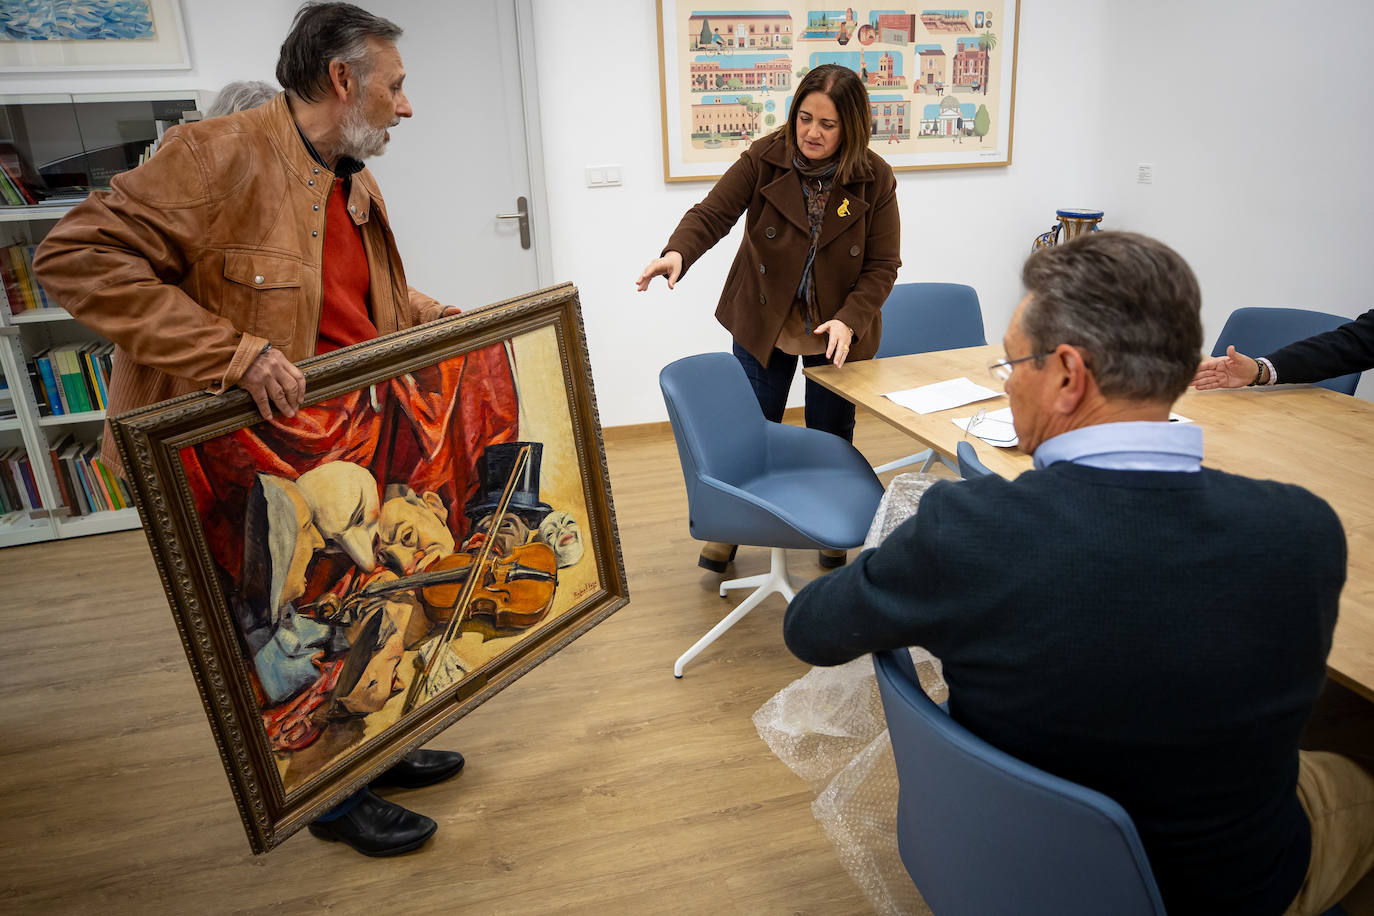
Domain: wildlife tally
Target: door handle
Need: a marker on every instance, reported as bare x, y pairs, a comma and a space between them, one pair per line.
522, 213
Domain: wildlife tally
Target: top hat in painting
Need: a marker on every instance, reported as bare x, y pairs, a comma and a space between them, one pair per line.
495, 468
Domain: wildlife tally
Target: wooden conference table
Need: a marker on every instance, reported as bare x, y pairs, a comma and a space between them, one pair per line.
1317, 438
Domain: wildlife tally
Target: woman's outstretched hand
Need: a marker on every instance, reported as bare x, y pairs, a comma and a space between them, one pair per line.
837, 346
670, 266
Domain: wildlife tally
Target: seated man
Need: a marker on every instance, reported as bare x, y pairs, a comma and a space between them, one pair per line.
1340, 351
1116, 616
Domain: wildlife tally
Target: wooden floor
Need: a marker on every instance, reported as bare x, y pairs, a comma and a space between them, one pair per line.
597, 783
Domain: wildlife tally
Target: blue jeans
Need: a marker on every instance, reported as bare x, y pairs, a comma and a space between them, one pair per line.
825, 410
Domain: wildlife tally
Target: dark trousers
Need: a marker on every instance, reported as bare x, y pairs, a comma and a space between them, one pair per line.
825, 410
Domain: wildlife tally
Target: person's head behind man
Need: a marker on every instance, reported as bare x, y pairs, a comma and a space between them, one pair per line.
340, 62
1109, 330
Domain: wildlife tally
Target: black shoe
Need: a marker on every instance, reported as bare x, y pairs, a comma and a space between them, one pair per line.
833, 559
376, 827
421, 768
716, 557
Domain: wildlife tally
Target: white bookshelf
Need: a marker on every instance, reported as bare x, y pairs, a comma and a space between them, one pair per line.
32, 330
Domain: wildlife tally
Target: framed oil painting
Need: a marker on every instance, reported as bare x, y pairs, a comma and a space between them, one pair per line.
434, 522
51, 35
941, 82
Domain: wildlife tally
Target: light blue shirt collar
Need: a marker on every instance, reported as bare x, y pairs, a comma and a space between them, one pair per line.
1137, 445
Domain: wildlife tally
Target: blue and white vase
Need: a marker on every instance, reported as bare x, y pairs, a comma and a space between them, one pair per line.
1071, 223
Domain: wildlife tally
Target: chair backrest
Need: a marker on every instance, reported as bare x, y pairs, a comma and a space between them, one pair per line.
970, 465
924, 317
1257, 332
982, 832
715, 416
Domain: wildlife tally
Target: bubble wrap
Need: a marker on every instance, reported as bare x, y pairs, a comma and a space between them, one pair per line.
828, 727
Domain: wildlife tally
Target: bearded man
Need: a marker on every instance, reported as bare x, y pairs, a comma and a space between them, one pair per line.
247, 243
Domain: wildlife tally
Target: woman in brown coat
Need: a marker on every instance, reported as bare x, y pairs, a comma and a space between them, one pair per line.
820, 253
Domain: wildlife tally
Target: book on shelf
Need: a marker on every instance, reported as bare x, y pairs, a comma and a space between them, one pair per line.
13, 176
66, 456
70, 378
22, 291
43, 380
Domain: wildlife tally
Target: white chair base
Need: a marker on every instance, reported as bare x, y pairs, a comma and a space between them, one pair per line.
928, 457
774, 581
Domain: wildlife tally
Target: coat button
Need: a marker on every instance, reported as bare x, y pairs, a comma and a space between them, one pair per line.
311, 182
853, 251
770, 232
258, 279
762, 269
763, 300
317, 171
314, 234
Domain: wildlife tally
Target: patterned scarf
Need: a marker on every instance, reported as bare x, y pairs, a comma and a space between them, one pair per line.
816, 182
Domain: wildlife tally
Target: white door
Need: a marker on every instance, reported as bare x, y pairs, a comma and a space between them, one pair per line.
469, 153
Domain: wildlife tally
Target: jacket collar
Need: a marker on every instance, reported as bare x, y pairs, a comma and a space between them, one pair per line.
846, 201
301, 162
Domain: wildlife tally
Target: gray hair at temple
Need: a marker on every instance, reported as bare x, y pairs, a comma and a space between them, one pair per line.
1129, 301
240, 95
326, 32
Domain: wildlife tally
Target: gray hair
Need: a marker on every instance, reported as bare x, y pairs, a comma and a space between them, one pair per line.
1129, 301
240, 95
325, 32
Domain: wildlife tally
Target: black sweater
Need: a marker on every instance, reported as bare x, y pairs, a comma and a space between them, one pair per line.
1126, 631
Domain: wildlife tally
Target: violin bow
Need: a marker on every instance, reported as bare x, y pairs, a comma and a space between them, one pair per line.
483, 555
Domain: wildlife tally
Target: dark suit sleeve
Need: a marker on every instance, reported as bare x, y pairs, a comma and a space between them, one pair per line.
896, 595
711, 220
1346, 349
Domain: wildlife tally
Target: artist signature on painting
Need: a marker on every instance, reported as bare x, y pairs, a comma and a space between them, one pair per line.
590, 586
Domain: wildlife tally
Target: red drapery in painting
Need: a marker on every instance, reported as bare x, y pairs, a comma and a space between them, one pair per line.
426, 429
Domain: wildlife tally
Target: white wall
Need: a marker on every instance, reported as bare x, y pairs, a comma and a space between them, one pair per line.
967, 225
1256, 121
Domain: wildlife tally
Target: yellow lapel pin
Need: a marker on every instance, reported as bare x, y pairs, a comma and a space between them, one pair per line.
843, 209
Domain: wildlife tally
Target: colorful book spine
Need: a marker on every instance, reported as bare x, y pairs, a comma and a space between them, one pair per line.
90, 374
111, 487
40, 391
30, 485
79, 465
13, 298
72, 386
57, 400
21, 275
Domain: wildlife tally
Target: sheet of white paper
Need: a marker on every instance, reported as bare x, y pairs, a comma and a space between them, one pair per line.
995, 428
1178, 418
955, 392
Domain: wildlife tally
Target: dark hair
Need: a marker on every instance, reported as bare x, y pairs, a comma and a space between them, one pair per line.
325, 32
1129, 301
847, 91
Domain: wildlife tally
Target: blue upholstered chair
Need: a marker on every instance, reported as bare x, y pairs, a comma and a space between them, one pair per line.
1257, 332
750, 481
970, 465
981, 832
923, 318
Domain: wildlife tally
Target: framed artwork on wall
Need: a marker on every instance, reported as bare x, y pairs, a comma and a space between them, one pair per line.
941, 82
433, 523
54, 35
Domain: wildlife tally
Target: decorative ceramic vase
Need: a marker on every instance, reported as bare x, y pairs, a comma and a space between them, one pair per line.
1071, 223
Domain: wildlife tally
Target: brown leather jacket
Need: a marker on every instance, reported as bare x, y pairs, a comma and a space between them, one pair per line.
195, 260
857, 257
